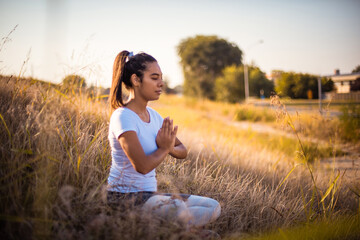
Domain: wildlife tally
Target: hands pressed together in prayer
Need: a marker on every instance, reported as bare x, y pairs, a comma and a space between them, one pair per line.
166, 136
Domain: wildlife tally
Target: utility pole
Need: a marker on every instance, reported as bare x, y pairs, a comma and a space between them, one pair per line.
246, 81
246, 73
320, 96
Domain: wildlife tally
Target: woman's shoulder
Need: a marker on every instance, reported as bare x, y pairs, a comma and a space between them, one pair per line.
122, 112
122, 119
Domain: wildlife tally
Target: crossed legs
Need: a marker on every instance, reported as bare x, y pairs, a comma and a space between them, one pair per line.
195, 211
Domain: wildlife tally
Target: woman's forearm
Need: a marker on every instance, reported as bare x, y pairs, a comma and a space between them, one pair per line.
179, 151
151, 161
141, 162
154, 159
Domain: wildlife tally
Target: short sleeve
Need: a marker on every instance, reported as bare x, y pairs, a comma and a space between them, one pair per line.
122, 121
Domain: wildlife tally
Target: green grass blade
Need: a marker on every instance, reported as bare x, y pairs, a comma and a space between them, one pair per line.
61, 94
91, 143
78, 163
287, 176
330, 188
6, 128
103, 96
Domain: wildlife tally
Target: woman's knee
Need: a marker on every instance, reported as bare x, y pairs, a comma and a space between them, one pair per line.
195, 200
166, 207
217, 210
212, 206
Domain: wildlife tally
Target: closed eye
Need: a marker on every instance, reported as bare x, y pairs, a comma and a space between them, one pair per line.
155, 76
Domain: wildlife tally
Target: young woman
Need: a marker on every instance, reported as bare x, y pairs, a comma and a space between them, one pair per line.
140, 139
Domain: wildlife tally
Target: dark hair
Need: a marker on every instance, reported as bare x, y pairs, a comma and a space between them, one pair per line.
124, 67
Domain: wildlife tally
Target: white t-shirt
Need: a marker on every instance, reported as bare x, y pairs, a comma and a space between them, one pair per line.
123, 177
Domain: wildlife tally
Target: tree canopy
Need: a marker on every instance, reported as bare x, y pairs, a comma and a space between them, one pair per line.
203, 58
258, 82
356, 69
229, 86
298, 85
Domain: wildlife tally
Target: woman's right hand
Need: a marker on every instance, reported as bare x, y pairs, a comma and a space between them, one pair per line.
166, 136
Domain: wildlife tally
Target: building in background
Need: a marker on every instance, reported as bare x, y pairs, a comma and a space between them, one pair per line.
346, 83
347, 86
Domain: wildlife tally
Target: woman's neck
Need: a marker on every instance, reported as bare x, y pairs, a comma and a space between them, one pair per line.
137, 105
140, 109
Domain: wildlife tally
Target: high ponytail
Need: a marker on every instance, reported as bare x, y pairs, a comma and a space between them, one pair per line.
115, 97
125, 65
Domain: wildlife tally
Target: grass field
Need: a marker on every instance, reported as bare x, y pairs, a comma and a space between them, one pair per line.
55, 160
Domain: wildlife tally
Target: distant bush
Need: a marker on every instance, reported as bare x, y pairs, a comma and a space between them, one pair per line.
74, 81
310, 152
350, 123
254, 114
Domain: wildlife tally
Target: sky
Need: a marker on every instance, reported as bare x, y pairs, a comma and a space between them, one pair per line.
59, 37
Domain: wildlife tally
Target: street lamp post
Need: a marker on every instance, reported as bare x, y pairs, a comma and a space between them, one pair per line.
246, 73
320, 94
246, 81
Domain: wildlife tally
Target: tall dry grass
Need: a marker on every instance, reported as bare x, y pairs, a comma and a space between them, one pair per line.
55, 159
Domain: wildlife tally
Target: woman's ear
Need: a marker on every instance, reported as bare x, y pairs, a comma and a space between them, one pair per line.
135, 80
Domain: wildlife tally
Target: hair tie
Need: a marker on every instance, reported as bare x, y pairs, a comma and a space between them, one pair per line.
131, 54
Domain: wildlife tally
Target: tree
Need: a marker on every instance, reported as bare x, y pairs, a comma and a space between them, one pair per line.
284, 84
327, 85
258, 82
355, 86
297, 85
229, 87
74, 81
356, 69
303, 83
203, 58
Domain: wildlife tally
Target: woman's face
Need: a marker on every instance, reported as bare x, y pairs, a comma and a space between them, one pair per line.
151, 86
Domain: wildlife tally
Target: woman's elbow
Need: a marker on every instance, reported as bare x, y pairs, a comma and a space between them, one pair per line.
142, 170
139, 166
181, 155
184, 155
184, 152
180, 152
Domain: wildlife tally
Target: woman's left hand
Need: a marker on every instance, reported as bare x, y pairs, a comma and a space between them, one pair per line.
167, 135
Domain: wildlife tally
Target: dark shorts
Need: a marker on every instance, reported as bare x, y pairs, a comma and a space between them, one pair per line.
139, 198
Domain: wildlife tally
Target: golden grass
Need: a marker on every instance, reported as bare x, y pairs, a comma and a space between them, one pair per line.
55, 159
